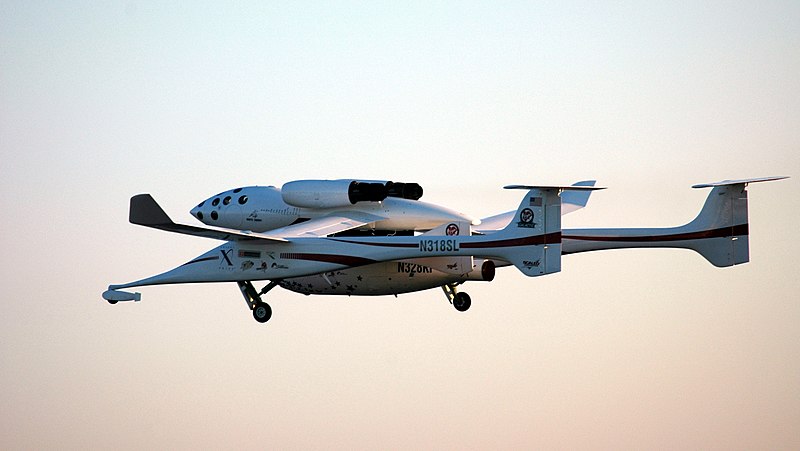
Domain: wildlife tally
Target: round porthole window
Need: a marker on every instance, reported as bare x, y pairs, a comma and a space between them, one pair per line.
227, 200
215, 202
214, 215
242, 200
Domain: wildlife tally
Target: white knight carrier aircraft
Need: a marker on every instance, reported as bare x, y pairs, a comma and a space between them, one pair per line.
369, 238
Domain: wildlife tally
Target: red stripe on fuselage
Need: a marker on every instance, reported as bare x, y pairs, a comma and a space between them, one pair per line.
723, 232
550, 238
537, 240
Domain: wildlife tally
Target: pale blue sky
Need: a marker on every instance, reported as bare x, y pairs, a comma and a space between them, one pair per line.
623, 349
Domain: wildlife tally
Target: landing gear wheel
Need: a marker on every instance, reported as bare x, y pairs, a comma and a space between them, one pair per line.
462, 301
262, 312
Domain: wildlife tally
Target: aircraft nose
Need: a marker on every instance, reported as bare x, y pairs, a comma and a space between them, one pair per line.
197, 211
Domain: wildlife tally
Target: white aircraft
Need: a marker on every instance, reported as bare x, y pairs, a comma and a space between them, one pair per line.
353, 237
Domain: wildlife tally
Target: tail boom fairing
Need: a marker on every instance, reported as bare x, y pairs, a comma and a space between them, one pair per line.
720, 233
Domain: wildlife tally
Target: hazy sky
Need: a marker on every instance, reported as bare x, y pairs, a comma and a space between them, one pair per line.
623, 349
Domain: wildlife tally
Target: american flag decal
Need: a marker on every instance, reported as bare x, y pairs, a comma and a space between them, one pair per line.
535, 202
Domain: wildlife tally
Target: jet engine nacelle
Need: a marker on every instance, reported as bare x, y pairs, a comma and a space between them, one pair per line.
484, 273
343, 193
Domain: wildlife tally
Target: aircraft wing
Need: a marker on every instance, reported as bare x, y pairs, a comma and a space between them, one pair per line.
327, 225
145, 211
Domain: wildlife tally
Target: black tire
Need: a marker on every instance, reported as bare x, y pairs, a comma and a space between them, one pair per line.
262, 312
112, 302
461, 302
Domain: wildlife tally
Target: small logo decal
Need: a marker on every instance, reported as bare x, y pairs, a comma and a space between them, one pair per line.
526, 218
225, 254
253, 217
531, 264
451, 230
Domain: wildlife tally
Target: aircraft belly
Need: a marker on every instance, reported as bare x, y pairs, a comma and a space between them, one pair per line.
370, 280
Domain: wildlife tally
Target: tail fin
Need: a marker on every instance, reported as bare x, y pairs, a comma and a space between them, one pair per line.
533, 237
721, 228
573, 200
719, 233
723, 223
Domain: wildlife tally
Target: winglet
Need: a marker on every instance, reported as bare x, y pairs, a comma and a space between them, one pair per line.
146, 211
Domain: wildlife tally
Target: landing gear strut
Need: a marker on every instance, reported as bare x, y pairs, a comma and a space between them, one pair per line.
460, 300
262, 312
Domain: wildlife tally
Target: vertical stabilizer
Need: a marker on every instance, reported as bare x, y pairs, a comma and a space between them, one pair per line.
536, 230
721, 228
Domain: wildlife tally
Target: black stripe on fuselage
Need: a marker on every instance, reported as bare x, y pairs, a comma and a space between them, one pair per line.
200, 260
347, 260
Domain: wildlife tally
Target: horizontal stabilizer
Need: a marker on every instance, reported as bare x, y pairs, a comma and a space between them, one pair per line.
737, 182
562, 188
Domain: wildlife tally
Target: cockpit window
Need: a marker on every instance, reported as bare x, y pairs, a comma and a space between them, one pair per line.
242, 200
237, 190
201, 204
215, 202
227, 200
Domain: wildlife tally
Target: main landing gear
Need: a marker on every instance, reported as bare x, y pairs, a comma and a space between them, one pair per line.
460, 300
262, 312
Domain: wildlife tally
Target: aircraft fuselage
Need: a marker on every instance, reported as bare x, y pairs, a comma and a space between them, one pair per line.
262, 208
